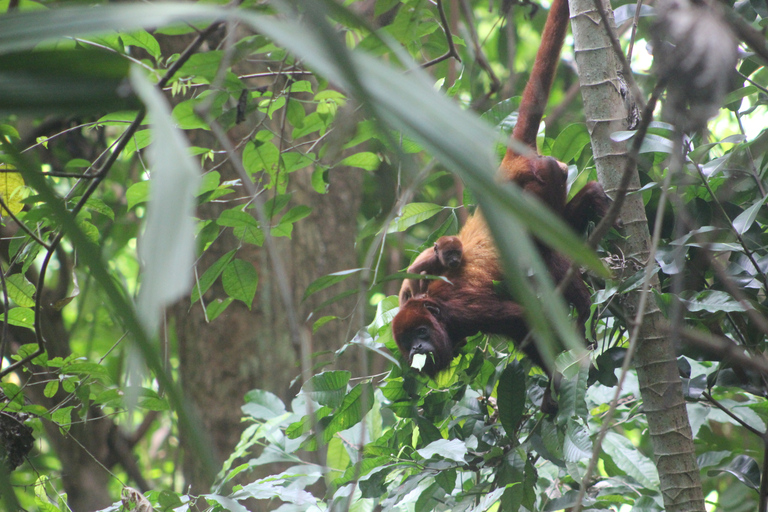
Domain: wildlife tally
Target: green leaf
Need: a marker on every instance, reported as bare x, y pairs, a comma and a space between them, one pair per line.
577, 445
573, 386
217, 307
453, 449
511, 393
263, 405
85, 369
138, 193
414, 213
714, 301
210, 182
355, 405
328, 388
21, 291
365, 160
570, 142
263, 157
63, 417
320, 322
51, 388
326, 281
143, 39
188, 119
285, 226
743, 467
240, 280
744, 221
204, 64
210, 275
97, 205
22, 317
630, 460
141, 140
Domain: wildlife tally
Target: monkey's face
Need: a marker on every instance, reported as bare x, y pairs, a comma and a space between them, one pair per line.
418, 331
449, 251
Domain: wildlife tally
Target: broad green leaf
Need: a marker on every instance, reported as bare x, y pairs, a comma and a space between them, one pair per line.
63, 417
51, 388
210, 275
143, 39
570, 142
328, 388
240, 280
326, 281
263, 157
366, 160
204, 64
413, 213
140, 140
713, 301
355, 405
210, 182
573, 386
12, 189
184, 113
263, 405
320, 322
285, 226
138, 193
217, 307
97, 205
746, 218
336, 455
453, 449
510, 397
577, 445
743, 467
21, 291
630, 460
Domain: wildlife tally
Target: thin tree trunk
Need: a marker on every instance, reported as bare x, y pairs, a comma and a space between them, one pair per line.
655, 359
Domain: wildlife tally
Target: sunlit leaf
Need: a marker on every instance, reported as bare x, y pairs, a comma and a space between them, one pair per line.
12, 189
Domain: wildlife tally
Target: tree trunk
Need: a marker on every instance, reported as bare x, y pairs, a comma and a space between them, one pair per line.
655, 359
251, 349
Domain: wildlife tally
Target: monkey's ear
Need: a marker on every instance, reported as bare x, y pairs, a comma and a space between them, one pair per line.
432, 308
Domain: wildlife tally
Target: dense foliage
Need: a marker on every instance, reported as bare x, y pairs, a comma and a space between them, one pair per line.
99, 238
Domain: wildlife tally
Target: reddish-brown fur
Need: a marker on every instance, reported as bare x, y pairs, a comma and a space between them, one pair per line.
437, 323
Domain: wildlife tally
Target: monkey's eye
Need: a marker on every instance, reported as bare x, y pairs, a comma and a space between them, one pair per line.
422, 332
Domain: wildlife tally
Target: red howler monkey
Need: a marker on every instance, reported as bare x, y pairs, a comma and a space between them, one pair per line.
437, 323
445, 256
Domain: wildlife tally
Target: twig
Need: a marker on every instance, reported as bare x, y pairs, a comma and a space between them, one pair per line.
741, 422
448, 37
725, 215
724, 347
482, 61
744, 31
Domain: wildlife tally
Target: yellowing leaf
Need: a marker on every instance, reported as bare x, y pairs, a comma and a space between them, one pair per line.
12, 189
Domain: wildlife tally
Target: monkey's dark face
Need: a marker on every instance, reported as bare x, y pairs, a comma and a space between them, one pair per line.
418, 331
451, 258
449, 251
